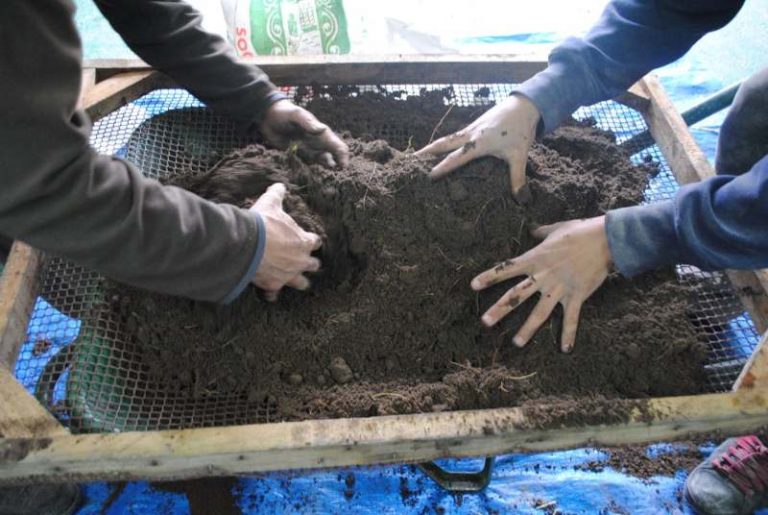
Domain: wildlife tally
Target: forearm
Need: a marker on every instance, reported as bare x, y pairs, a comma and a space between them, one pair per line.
168, 35
100, 212
714, 224
631, 38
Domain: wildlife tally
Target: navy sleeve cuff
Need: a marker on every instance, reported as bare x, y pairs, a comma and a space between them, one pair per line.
555, 95
273, 96
642, 238
258, 255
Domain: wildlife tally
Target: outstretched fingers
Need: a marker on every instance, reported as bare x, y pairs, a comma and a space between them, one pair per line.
458, 158
501, 272
517, 161
536, 319
509, 301
445, 144
542, 232
572, 310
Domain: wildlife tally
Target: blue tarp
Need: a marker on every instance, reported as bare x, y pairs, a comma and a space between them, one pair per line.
529, 484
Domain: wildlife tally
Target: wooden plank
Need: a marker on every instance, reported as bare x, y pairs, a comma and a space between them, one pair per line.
762, 276
689, 164
752, 294
87, 83
18, 291
755, 371
113, 93
685, 158
402, 69
21, 416
331, 443
635, 97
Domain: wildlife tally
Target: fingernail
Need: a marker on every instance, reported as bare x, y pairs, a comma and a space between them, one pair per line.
476, 284
518, 341
487, 320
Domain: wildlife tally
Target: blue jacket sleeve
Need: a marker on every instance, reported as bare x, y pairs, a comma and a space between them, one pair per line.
718, 223
631, 38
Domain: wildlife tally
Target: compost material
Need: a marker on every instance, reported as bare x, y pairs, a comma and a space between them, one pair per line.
390, 325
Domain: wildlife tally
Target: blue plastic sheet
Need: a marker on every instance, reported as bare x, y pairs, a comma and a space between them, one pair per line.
528, 484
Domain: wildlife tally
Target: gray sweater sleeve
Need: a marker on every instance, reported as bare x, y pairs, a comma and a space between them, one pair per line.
168, 35
58, 195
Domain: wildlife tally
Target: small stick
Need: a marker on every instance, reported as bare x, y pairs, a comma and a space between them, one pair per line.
458, 266
519, 239
389, 394
465, 367
454, 284
495, 355
520, 378
434, 131
410, 144
482, 210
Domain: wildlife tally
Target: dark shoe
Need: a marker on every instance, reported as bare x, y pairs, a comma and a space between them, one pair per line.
732, 480
63, 499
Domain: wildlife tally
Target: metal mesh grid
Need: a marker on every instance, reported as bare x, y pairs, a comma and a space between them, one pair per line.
78, 363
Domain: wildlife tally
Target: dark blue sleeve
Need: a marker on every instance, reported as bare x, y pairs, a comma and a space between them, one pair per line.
631, 38
718, 223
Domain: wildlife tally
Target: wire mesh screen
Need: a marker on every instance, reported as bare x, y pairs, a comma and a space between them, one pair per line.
78, 363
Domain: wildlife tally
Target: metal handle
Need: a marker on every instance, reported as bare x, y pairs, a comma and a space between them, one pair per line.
460, 482
53, 370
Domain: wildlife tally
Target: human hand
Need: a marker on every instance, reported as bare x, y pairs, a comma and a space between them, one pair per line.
287, 255
567, 267
505, 131
285, 122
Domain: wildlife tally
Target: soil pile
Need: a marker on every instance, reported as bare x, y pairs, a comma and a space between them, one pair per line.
391, 325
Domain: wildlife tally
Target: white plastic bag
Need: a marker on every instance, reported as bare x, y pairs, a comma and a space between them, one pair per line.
286, 27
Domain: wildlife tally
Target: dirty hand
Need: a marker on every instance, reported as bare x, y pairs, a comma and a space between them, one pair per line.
567, 267
505, 131
287, 255
285, 122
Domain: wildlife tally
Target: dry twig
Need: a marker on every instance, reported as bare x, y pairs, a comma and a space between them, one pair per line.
439, 124
389, 394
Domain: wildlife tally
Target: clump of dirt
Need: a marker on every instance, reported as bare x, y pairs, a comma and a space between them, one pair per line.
391, 325
555, 412
636, 460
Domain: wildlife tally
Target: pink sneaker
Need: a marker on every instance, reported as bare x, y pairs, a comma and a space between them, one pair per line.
732, 480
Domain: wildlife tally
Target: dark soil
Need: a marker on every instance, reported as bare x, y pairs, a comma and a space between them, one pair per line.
634, 460
391, 325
